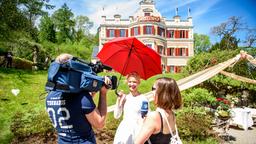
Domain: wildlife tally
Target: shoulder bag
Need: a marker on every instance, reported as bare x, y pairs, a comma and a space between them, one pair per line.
175, 139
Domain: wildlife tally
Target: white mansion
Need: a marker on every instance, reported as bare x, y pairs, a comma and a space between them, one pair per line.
172, 39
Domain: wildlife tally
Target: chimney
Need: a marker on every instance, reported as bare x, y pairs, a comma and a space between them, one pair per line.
131, 18
176, 17
103, 18
189, 12
117, 17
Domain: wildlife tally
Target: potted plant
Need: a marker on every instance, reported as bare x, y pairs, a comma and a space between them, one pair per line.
223, 110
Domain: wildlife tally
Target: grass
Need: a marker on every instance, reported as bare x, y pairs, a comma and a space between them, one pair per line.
31, 85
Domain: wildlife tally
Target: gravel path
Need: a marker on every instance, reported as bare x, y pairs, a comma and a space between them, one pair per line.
240, 136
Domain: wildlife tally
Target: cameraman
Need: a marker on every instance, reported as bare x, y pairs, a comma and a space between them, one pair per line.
74, 114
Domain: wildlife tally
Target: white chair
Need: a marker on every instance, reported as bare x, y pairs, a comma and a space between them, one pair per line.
242, 118
253, 113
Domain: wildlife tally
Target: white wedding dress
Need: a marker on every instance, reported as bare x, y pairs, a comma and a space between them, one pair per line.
132, 120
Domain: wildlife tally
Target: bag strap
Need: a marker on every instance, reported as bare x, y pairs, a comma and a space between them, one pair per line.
164, 116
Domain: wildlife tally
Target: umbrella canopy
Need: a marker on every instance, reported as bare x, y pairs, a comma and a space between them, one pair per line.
126, 55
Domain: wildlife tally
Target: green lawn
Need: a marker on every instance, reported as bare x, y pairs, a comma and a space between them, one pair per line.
31, 86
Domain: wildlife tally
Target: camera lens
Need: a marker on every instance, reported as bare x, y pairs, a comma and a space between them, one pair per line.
114, 82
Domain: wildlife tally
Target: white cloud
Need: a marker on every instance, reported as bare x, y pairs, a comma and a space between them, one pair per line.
108, 8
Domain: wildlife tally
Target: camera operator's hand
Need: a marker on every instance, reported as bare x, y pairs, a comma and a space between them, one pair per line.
107, 82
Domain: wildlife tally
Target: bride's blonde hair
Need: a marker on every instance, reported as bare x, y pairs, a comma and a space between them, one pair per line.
133, 74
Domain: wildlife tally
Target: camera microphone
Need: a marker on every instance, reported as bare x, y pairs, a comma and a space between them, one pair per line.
106, 67
144, 109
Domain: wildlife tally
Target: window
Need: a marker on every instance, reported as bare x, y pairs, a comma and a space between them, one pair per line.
136, 31
161, 31
172, 52
170, 33
182, 34
171, 69
149, 45
160, 49
181, 52
148, 30
122, 32
147, 14
111, 33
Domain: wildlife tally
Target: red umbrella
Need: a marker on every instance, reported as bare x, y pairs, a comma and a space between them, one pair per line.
128, 54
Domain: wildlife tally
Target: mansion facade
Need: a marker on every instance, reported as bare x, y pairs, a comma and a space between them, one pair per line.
171, 39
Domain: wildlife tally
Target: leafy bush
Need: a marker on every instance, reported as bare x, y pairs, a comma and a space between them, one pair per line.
224, 82
21, 63
204, 60
30, 122
197, 97
76, 49
194, 123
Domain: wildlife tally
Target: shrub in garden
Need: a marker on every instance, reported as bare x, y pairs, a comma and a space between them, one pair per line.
197, 97
194, 123
205, 60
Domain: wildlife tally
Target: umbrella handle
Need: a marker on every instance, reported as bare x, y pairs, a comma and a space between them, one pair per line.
116, 92
118, 85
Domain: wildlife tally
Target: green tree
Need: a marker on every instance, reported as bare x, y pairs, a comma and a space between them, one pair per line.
32, 10
17, 24
47, 30
11, 20
226, 31
250, 40
62, 18
83, 25
201, 43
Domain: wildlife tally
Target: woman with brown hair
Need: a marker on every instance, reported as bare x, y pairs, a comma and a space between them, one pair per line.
159, 126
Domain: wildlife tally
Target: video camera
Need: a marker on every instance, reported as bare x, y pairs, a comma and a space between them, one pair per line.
76, 75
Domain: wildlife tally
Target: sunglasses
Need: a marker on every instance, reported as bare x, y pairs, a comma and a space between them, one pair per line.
153, 88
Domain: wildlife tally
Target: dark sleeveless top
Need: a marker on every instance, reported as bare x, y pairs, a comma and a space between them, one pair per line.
160, 138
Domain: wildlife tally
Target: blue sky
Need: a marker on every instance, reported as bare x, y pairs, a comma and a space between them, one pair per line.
205, 13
